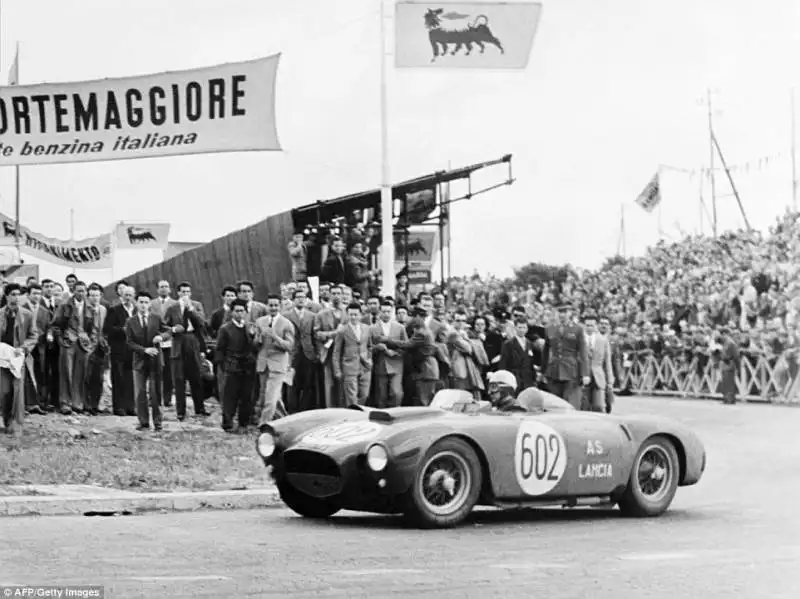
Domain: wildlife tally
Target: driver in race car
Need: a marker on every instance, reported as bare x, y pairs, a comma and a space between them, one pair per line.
502, 389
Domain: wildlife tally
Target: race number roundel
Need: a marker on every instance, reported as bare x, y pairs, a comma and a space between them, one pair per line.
540, 457
343, 433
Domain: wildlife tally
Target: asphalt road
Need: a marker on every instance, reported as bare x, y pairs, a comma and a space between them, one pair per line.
736, 534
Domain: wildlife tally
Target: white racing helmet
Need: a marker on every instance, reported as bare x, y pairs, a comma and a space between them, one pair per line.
503, 377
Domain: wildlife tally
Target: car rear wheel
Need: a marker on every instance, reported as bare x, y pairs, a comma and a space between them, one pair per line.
447, 485
305, 505
654, 479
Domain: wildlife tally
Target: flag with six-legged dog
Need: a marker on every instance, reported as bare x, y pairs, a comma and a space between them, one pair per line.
485, 35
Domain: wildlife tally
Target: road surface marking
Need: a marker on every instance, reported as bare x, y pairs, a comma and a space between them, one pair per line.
379, 571
654, 557
177, 578
529, 566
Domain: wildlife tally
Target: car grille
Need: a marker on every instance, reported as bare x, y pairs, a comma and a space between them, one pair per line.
312, 473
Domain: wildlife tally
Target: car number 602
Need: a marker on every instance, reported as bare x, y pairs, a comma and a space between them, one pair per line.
540, 457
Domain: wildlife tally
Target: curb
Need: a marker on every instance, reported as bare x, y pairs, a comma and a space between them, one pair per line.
36, 505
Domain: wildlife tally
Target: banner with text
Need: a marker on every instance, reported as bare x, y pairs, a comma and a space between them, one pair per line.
142, 236
94, 252
482, 35
225, 108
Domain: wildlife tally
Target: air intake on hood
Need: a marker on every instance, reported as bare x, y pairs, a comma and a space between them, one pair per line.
401, 414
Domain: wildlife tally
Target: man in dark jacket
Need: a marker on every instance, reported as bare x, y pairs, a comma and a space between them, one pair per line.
729, 366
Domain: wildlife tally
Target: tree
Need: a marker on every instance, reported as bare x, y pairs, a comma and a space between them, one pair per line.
537, 273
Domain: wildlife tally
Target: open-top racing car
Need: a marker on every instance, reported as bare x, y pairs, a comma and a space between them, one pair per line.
434, 464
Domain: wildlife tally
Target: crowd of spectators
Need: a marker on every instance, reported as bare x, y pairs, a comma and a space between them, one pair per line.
676, 298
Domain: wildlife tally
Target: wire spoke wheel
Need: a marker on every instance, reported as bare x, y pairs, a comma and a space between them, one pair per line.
654, 479
445, 482
654, 473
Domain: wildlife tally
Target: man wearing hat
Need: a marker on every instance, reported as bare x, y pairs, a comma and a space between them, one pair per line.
565, 358
729, 365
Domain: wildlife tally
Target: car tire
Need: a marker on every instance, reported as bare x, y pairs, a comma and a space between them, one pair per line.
453, 467
305, 505
653, 480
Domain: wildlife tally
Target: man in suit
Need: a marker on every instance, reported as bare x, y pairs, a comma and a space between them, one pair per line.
98, 359
565, 361
51, 350
604, 326
729, 367
16, 330
220, 317
255, 310
186, 322
352, 357
234, 358
423, 362
274, 336
326, 323
223, 314
387, 366
303, 393
144, 332
246, 292
373, 315
159, 306
74, 328
121, 358
601, 372
36, 395
519, 357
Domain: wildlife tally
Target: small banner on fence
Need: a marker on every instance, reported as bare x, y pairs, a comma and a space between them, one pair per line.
142, 236
651, 195
94, 252
225, 108
483, 35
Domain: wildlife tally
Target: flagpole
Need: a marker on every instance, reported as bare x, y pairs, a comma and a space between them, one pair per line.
387, 233
72, 229
17, 173
794, 163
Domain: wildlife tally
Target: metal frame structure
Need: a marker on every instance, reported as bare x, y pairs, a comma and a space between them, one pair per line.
326, 210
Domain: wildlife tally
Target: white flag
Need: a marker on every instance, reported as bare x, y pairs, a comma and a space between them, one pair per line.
483, 35
13, 72
651, 195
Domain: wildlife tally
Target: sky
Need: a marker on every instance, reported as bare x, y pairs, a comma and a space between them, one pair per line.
612, 91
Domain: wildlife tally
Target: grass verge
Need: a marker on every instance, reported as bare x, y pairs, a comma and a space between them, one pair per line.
106, 451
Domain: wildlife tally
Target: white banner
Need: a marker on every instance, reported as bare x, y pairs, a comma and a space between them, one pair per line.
486, 35
226, 108
94, 252
144, 236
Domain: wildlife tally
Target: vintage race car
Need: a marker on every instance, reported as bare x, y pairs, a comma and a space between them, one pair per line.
434, 464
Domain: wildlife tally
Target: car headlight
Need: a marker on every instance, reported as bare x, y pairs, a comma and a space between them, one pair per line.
265, 445
377, 458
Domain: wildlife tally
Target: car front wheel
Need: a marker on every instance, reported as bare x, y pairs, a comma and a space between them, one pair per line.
447, 485
305, 505
653, 481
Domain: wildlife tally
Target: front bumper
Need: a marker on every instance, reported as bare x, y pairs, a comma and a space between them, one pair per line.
348, 482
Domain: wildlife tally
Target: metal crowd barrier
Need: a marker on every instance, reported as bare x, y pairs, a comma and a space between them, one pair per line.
760, 378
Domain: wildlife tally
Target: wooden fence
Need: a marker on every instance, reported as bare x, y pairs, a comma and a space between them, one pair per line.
760, 378
258, 253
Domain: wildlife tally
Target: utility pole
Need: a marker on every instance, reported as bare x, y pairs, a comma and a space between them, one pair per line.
794, 163
711, 171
